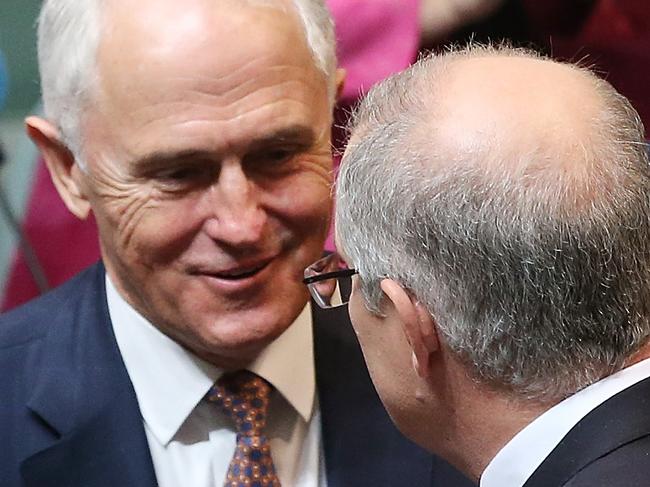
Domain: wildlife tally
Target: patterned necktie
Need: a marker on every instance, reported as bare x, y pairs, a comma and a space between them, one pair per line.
244, 397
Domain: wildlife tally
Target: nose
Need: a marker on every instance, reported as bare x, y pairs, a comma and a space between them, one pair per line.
237, 218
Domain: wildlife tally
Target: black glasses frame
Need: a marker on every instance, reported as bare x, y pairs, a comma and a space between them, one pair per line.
314, 276
330, 275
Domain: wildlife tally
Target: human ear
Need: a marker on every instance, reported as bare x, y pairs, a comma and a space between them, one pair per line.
417, 324
61, 164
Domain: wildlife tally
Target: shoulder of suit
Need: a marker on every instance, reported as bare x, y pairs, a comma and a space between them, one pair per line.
33, 320
623, 466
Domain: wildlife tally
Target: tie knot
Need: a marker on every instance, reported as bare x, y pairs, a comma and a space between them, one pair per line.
244, 397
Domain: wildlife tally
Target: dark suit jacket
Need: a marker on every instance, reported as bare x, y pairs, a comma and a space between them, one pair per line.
69, 415
610, 447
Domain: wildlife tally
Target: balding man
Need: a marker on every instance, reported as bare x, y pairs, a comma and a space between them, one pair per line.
198, 135
496, 207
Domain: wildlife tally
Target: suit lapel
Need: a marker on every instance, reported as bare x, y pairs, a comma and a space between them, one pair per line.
83, 398
619, 420
361, 445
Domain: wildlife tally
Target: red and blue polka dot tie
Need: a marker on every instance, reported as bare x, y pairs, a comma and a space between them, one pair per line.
244, 397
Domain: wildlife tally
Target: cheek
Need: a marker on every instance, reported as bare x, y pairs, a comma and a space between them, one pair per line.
153, 230
313, 207
305, 195
307, 212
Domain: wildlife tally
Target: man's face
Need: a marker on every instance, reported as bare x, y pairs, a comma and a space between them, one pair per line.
209, 169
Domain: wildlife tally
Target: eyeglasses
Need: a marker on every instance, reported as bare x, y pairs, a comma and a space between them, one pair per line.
329, 281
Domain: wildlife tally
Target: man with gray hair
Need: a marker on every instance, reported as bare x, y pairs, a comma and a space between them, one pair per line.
197, 133
496, 208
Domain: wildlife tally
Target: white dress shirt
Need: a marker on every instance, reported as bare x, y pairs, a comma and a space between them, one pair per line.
521, 456
190, 440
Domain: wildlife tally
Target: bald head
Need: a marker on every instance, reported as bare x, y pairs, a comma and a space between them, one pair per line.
533, 121
509, 193
70, 33
168, 34
162, 52
512, 101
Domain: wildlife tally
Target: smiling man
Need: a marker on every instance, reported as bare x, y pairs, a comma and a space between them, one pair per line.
197, 133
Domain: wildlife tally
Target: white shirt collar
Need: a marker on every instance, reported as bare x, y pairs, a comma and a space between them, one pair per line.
521, 456
169, 381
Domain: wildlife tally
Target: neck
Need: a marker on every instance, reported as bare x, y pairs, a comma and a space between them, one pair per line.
478, 422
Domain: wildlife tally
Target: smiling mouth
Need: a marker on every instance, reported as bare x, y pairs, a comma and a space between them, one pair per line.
240, 273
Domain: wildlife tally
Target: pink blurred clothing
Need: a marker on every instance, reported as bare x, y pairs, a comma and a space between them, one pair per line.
374, 39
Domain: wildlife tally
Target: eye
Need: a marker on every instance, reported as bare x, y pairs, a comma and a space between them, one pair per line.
181, 174
278, 155
271, 160
184, 177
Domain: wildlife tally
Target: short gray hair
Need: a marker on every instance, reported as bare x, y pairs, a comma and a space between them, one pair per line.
538, 290
69, 32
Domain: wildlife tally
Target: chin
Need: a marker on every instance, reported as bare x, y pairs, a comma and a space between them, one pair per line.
234, 343
231, 359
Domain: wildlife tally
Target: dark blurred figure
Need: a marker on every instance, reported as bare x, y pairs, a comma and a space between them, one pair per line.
613, 36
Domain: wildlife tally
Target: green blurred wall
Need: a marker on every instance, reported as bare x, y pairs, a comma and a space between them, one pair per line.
18, 43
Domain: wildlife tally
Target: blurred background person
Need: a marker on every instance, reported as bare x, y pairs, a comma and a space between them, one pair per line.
611, 36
